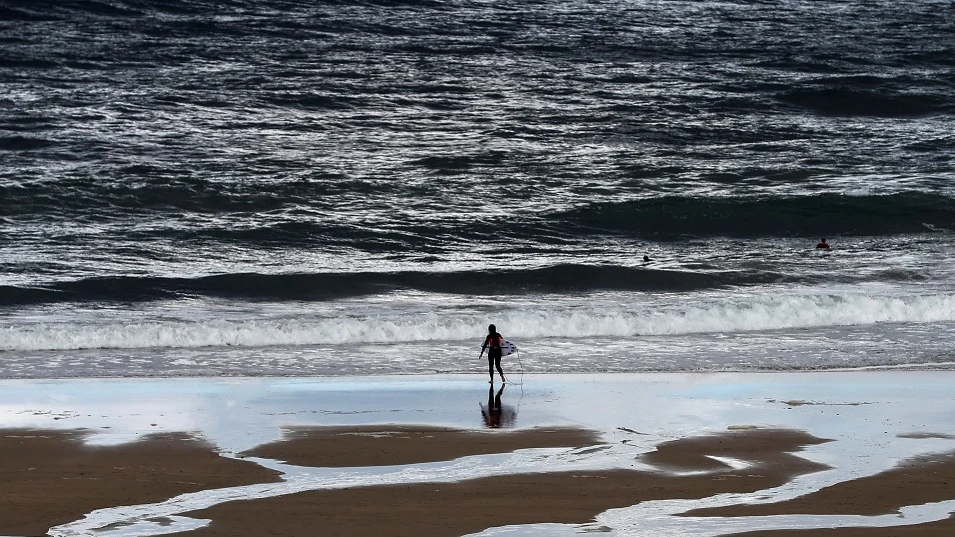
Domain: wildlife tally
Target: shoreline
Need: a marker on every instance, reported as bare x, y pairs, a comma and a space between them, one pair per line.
584, 451
448, 509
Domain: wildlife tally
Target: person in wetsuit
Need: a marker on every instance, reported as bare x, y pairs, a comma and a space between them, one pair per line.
493, 345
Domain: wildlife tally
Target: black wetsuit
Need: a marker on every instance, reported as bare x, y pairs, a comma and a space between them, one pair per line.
493, 345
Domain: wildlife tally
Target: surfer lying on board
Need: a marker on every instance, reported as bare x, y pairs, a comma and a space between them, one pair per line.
493, 345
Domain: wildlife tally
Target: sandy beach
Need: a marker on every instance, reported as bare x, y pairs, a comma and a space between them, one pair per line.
868, 454
50, 477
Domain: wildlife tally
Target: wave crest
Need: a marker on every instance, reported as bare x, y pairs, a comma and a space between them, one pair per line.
729, 316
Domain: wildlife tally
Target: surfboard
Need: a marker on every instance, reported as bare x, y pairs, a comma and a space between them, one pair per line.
508, 348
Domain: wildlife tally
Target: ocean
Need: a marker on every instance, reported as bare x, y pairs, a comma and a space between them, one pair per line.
275, 188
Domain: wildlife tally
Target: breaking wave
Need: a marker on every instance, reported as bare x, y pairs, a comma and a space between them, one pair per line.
755, 313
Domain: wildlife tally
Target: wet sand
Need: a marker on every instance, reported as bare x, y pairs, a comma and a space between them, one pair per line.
375, 445
454, 509
37, 464
721, 440
51, 477
917, 481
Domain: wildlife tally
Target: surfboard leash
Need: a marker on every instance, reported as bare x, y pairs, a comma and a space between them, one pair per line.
521, 364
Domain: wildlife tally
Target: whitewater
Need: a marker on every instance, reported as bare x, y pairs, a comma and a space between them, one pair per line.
787, 328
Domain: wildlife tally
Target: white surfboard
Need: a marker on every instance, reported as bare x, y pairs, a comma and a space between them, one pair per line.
508, 348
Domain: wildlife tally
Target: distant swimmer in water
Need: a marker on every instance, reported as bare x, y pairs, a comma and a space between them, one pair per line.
823, 245
493, 343
646, 259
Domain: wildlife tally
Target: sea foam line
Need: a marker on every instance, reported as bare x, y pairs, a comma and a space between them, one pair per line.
393, 325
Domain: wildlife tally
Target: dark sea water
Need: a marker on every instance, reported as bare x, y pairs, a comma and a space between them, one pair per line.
271, 187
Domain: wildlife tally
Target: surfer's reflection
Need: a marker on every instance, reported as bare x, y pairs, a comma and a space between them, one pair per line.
495, 414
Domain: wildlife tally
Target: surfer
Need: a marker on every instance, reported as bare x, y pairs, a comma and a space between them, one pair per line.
823, 245
493, 345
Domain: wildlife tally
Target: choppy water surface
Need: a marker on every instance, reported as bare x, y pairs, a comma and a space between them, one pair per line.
269, 188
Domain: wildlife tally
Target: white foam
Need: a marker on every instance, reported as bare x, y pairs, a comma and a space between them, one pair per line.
613, 316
